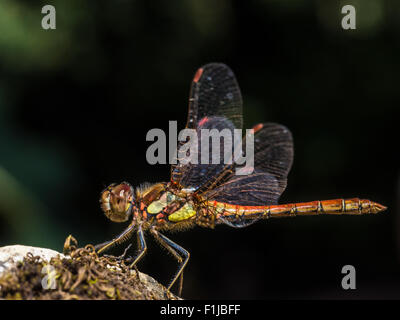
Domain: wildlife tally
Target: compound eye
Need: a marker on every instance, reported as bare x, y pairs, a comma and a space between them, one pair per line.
117, 201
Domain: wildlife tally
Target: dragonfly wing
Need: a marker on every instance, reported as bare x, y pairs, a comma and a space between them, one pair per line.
273, 150
273, 158
256, 189
195, 175
237, 222
215, 93
215, 102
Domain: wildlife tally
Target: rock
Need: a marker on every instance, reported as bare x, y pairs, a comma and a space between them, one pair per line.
144, 287
10, 255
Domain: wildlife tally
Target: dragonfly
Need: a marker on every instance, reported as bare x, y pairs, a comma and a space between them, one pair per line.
212, 194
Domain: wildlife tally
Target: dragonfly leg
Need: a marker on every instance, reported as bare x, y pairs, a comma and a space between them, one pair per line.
124, 236
142, 247
171, 247
174, 254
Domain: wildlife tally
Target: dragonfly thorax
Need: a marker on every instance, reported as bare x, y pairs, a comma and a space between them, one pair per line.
166, 204
157, 204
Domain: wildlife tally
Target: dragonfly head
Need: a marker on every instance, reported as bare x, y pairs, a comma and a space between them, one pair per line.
117, 201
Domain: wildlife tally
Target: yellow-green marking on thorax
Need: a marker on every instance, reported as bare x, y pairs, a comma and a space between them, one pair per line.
155, 207
158, 205
183, 213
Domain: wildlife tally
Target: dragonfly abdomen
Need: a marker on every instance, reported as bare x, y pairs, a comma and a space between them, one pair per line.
353, 206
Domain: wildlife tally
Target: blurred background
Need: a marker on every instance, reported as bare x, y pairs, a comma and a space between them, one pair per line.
76, 104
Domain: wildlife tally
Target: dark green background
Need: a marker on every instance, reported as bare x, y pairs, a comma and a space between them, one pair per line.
76, 104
